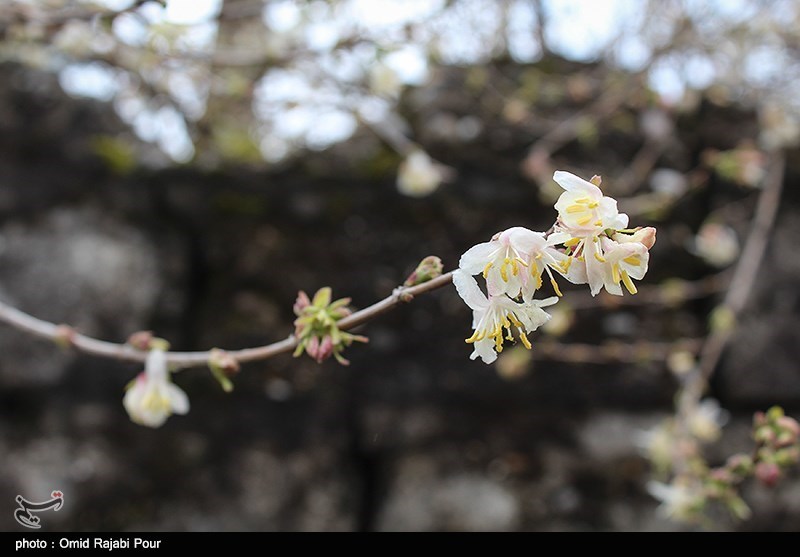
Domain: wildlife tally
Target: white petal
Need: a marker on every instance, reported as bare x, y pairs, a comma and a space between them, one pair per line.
558, 238
637, 271
577, 272
132, 400
178, 399
571, 183
594, 273
467, 287
485, 350
526, 241
475, 258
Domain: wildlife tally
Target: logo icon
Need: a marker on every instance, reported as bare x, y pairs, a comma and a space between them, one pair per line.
24, 515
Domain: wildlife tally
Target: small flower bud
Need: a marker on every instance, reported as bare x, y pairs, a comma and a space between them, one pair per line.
740, 464
65, 336
223, 366
768, 473
325, 350
775, 413
429, 268
721, 476
322, 298
645, 236
785, 439
596, 180
787, 457
302, 303
141, 340
738, 508
312, 347
764, 435
788, 425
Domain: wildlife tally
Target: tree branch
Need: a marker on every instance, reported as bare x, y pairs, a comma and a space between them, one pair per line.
95, 347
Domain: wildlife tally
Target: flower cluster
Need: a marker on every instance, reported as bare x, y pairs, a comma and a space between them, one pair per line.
316, 326
589, 244
697, 488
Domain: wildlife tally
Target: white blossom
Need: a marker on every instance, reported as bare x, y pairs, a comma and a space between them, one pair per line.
418, 175
493, 317
583, 210
678, 500
152, 397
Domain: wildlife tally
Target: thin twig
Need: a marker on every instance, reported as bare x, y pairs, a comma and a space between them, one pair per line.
612, 352
744, 276
96, 347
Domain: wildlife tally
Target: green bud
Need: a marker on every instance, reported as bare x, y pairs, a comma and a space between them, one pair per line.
65, 336
428, 269
785, 439
722, 319
222, 366
740, 464
322, 298
738, 508
764, 435
788, 424
787, 457
159, 344
775, 413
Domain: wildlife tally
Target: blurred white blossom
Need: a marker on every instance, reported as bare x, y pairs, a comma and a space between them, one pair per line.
419, 175
152, 397
716, 244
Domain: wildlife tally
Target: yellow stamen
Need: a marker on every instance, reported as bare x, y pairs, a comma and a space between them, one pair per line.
584, 220
583, 200
525, 341
575, 209
566, 264
615, 273
572, 242
538, 282
486, 269
593, 204
476, 336
503, 273
154, 402
598, 223
633, 260
514, 267
555, 287
514, 320
599, 257
626, 280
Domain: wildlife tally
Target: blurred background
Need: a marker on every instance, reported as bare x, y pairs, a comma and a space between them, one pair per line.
188, 166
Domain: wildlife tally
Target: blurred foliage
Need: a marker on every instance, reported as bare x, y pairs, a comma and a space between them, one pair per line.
259, 81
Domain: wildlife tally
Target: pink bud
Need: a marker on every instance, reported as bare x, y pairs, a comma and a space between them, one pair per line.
721, 475
312, 347
302, 303
789, 425
325, 349
141, 340
645, 236
768, 473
